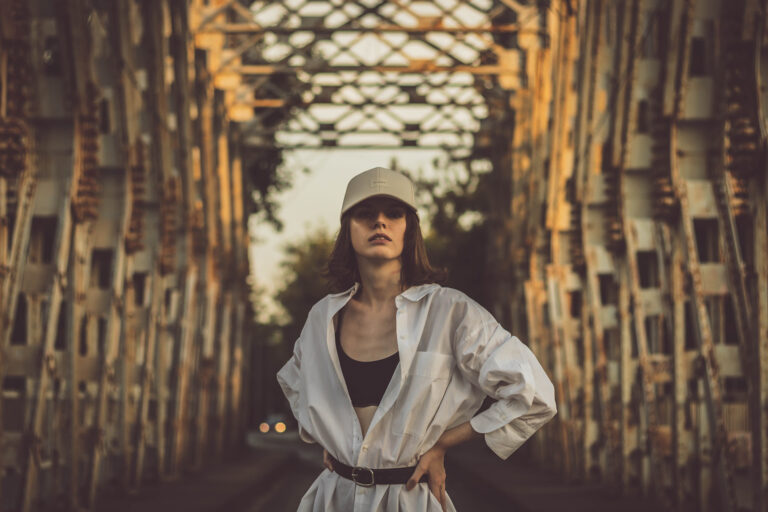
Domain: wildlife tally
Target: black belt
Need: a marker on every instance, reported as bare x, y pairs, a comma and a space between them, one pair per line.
368, 477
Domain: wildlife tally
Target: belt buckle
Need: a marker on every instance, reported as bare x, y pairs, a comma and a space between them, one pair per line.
356, 471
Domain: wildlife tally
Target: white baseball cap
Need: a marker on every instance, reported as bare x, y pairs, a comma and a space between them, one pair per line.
378, 182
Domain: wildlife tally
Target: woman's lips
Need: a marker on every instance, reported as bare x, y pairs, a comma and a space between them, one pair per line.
380, 238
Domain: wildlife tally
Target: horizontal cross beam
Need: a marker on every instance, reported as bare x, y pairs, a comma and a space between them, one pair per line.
444, 147
279, 103
362, 132
419, 67
252, 28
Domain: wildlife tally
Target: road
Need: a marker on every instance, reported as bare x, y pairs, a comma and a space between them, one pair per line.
271, 473
286, 492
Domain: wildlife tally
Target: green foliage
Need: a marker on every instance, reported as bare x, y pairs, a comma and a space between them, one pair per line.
265, 175
264, 178
304, 283
457, 238
462, 254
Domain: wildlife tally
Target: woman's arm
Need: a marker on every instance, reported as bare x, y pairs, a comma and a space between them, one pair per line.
506, 370
432, 463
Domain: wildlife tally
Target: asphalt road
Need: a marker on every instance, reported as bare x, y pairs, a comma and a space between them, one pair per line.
286, 492
272, 472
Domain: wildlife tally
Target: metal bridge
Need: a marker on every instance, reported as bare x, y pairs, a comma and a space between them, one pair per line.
627, 143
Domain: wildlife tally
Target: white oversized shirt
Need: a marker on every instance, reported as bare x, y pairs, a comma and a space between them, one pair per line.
452, 354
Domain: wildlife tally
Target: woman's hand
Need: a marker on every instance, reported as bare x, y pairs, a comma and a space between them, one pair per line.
327, 460
432, 463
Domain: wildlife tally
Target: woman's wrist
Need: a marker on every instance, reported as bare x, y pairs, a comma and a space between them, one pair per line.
456, 435
440, 447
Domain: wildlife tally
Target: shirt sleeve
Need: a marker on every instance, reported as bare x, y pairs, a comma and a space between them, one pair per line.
506, 370
289, 378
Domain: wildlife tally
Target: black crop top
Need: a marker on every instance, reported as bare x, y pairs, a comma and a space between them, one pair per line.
366, 380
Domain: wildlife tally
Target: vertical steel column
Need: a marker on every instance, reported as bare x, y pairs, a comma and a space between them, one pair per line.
626, 375
18, 173
222, 353
761, 252
237, 419
79, 269
206, 369
108, 374
591, 321
148, 376
70, 230
760, 449
183, 370
708, 365
681, 439
558, 271
133, 154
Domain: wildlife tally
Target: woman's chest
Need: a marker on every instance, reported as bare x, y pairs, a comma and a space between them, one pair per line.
368, 337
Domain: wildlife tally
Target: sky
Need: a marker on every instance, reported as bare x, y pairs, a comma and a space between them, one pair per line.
364, 102
315, 199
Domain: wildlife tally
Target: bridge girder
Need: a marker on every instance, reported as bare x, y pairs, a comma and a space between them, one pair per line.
378, 74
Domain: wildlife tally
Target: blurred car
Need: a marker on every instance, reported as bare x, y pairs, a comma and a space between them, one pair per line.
275, 422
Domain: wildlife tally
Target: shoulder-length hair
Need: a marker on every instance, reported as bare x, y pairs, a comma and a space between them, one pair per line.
342, 269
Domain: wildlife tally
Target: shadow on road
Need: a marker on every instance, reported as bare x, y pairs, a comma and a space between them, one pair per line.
273, 471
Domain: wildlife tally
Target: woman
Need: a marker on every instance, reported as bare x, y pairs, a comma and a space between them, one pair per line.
388, 374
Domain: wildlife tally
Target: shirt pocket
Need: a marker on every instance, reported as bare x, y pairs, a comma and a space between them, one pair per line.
425, 386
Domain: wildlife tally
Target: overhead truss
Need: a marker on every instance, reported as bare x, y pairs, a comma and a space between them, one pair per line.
365, 73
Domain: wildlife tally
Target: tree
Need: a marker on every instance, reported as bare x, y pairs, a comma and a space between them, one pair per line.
303, 285
457, 234
265, 175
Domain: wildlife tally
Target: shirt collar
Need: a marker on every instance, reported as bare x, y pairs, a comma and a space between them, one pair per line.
413, 294
349, 291
416, 293
338, 300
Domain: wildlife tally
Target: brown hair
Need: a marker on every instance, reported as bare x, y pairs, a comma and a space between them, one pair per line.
342, 269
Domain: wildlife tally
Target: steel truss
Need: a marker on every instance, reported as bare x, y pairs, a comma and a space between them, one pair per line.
375, 73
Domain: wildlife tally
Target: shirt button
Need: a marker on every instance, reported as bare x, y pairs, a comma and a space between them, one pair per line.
365, 447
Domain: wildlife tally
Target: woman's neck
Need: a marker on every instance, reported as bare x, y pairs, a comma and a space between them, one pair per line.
380, 283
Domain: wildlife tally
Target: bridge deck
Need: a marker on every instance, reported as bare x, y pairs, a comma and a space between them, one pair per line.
273, 475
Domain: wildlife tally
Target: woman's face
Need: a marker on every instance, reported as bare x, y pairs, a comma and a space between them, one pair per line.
377, 228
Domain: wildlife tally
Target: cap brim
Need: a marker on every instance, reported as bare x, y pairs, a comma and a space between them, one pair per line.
389, 196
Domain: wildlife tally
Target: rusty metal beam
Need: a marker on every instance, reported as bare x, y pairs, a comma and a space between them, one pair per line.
427, 66
67, 360
47, 366
206, 370
223, 352
183, 362
253, 28
708, 364
116, 311
333, 145
760, 250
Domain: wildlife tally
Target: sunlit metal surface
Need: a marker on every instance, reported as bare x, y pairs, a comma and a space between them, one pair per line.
375, 74
122, 254
644, 285
628, 234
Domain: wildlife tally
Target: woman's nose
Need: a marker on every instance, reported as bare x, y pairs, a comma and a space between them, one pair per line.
381, 219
